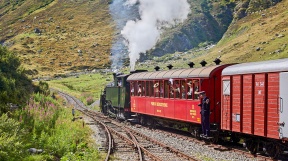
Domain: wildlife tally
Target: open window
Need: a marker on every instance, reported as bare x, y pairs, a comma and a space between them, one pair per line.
192, 89
140, 88
132, 89
156, 88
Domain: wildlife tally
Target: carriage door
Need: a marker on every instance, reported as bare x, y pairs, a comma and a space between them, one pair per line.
283, 105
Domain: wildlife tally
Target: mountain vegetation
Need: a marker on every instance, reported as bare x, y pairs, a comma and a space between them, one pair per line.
15, 86
57, 36
53, 37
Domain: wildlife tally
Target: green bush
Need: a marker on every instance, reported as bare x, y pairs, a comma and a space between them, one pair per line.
11, 147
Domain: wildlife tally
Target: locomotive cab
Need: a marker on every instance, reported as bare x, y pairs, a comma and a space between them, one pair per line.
115, 100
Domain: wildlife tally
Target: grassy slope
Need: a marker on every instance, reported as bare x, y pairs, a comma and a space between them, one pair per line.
243, 37
66, 26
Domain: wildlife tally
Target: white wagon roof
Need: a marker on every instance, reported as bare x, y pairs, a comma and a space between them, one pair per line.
279, 65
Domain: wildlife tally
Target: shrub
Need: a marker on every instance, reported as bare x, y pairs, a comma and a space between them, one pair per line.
90, 100
11, 147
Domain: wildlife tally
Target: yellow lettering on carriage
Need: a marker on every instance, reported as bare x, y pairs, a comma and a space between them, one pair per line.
159, 104
159, 111
193, 112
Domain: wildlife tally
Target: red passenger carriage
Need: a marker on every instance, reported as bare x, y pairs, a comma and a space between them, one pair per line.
171, 94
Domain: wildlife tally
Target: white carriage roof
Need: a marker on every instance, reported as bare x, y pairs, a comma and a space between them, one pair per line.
257, 67
203, 72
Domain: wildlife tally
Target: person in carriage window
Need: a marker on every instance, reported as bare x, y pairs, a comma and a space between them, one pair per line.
183, 91
177, 89
119, 83
190, 90
139, 90
132, 89
156, 89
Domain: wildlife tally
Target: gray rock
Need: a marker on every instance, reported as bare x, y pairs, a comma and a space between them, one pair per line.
35, 151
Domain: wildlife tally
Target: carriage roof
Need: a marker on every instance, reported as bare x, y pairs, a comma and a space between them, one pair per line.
257, 67
202, 72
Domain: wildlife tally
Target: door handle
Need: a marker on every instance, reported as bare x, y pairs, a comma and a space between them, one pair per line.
281, 104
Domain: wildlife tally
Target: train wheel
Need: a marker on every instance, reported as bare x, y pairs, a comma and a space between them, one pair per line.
151, 123
196, 133
252, 146
234, 138
215, 136
142, 120
273, 150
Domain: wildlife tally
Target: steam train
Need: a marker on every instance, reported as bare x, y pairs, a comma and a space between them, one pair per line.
248, 101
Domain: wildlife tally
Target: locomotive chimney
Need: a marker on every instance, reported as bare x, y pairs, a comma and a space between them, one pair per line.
217, 61
170, 66
191, 64
203, 63
157, 68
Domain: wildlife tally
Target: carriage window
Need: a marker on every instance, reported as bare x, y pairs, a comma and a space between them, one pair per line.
226, 87
196, 88
119, 82
140, 89
190, 92
150, 89
193, 89
170, 89
183, 89
146, 88
132, 88
166, 89
156, 88
176, 89
161, 89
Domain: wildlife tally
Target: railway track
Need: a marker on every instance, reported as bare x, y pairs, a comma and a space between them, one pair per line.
228, 151
126, 144
134, 143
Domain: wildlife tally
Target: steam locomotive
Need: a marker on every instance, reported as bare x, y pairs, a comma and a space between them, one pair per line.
248, 101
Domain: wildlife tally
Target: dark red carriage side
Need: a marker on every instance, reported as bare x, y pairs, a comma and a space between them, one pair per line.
157, 103
254, 97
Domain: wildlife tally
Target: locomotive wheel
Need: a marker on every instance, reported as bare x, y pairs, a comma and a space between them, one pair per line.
272, 150
252, 146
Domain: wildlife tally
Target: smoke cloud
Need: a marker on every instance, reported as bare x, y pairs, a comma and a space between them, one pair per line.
142, 34
121, 13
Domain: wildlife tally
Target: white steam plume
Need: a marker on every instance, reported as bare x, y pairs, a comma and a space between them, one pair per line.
141, 35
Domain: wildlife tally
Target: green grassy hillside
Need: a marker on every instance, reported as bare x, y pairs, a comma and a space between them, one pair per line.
56, 36
263, 35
